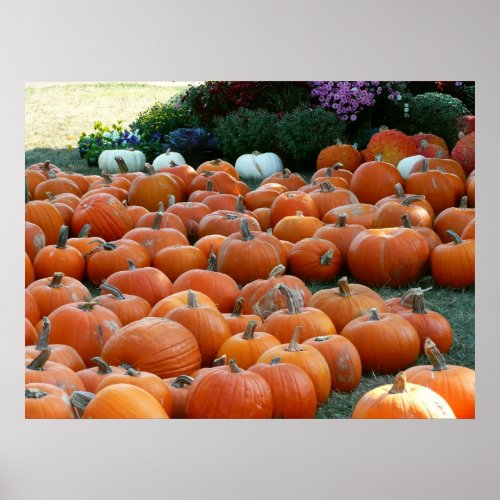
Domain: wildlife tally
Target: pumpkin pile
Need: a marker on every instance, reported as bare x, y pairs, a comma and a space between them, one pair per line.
166, 291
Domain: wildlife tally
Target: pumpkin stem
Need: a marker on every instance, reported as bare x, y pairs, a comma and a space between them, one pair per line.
219, 361
80, 400
246, 235
107, 177
34, 393
150, 170
171, 200
435, 357
52, 174
344, 290
157, 221
411, 199
46, 165
399, 385
326, 187
84, 232
216, 161
131, 265
192, 299
240, 205
124, 203
374, 314
234, 367
286, 173
87, 306
326, 258
109, 246
341, 220
161, 208
250, 330
173, 164
102, 367
182, 381
425, 165
419, 303
439, 154
63, 237
275, 361
378, 157
329, 172
133, 372
116, 292
43, 338
212, 260
122, 166
407, 298
56, 281
39, 362
338, 166
464, 201
293, 306
406, 221
209, 186
323, 338
456, 239
277, 271
294, 345
49, 196
400, 192
238, 307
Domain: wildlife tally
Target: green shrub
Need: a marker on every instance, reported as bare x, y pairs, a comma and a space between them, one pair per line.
435, 113
304, 132
160, 119
469, 98
246, 130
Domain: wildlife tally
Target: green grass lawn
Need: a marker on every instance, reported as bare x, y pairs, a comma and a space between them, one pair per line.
55, 117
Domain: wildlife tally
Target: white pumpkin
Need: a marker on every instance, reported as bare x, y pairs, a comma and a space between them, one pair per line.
406, 164
166, 158
135, 160
258, 165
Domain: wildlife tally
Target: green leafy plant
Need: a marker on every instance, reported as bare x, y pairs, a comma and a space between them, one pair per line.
246, 130
161, 118
304, 132
435, 113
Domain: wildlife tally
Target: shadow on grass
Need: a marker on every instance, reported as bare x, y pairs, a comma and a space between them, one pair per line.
63, 158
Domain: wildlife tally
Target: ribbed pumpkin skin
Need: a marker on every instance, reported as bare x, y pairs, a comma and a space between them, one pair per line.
291, 202
151, 383
124, 401
294, 228
220, 393
456, 385
105, 213
310, 360
130, 308
363, 214
91, 378
246, 352
148, 191
179, 299
86, 330
385, 345
114, 257
455, 219
262, 251
56, 374
222, 289
454, 264
179, 396
391, 257
146, 282
346, 154
342, 358
155, 345
469, 232
31, 310
29, 272
34, 239
175, 260
342, 307
416, 402
30, 335
208, 326
154, 240
46, 217
54, 404
294, 394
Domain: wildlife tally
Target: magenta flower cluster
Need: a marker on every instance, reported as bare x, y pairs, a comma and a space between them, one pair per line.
348, 99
